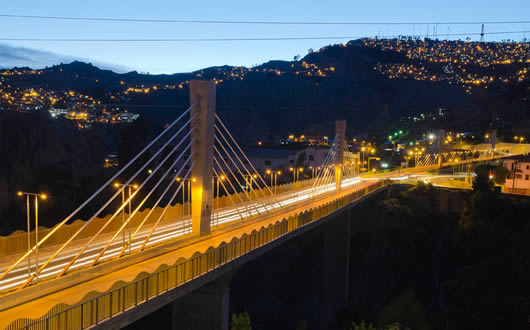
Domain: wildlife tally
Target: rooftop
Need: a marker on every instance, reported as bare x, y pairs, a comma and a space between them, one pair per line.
520, 158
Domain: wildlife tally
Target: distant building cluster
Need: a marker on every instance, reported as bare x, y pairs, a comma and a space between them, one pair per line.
302, 68
464, 63
518, 178
310, 140
67, 104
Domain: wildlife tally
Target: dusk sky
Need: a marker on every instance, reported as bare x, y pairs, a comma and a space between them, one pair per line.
170, 57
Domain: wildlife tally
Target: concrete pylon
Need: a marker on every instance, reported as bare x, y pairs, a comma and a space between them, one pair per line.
441, 139
492, 141
202, 94
340, 132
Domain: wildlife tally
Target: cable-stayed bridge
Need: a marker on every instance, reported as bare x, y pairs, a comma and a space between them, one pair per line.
185, 207
191, 183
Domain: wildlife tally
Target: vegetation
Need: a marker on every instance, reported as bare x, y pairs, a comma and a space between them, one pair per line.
241, 322
477, 253
364, 326
407, 310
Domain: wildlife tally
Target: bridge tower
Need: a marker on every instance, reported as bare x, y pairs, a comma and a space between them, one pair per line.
492, 141
340, 132
202, 94
441, 139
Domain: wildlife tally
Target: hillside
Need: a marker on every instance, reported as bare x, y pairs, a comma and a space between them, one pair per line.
368, 82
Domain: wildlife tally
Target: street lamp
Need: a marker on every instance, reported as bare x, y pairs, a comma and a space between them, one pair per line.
43, 197
275, 182
294, 173
274, 178
269, 172
313, 170
128, 186
188, 194
249, 182
219, 178
362, 154
300, 170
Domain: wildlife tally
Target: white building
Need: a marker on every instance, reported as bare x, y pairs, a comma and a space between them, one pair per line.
311, 157
270, 159
519, 176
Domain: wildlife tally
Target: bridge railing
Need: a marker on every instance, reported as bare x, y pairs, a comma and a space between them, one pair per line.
99, 307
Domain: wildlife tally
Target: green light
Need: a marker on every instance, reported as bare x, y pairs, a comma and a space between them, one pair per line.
390, 137
411, 143
400, 132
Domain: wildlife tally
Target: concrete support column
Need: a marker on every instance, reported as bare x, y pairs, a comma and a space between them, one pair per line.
335, 268
204, 308
441, 139
340, 132
492, 141
202, 94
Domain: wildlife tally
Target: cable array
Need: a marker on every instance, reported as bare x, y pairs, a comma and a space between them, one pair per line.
326, 174
232, 169
171, 144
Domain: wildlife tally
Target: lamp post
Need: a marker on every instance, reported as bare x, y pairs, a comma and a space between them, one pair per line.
300, 170
274, 177
188, 190
269, 172
275, 182
218, 179
362, 155
43, 197
374, 158
294, 173
514, 170
248, 182
128, 186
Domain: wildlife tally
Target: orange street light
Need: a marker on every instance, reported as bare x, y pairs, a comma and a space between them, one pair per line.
42, 196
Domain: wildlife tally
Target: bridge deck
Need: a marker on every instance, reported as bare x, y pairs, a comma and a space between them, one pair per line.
72, 295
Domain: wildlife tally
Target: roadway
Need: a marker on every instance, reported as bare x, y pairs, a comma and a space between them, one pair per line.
304, 199
172, 229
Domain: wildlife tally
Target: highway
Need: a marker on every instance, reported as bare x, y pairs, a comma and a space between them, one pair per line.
171, 230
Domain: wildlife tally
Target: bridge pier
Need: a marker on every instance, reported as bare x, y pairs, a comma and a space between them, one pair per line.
202, 94
203, 308
335, 268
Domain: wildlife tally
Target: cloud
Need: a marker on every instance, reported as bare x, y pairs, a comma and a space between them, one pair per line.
11, 56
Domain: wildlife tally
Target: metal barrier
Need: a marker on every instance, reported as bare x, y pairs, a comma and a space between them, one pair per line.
104, 306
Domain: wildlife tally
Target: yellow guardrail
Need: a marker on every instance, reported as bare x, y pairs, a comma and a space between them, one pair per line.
97, 307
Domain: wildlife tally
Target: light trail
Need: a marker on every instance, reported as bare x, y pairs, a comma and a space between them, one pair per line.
170, 231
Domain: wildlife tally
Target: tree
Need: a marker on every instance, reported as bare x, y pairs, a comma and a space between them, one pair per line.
407, 309
499, 174
241, 322
363, 326
482, 181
